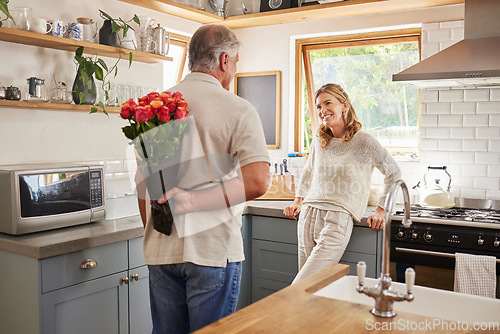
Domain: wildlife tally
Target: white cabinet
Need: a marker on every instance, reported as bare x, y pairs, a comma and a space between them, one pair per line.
97, 290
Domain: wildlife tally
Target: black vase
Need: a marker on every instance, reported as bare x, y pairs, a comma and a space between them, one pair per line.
106, 34
78, 86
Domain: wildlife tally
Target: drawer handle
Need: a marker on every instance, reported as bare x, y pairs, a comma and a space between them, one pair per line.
89, 263
124, 280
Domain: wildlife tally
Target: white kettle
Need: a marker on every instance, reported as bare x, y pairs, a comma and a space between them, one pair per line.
433, 194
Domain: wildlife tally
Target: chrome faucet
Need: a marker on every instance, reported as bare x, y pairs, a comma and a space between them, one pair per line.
383, 293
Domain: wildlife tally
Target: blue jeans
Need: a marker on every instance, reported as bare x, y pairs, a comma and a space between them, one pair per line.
186, 297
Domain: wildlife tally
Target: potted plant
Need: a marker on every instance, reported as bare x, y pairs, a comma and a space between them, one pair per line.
84, 91
4, 7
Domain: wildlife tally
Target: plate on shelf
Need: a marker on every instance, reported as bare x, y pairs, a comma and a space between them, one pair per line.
328, 1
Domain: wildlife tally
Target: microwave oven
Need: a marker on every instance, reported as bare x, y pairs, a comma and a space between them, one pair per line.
42, 197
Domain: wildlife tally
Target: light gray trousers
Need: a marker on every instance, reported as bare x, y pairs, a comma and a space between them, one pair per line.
323, 236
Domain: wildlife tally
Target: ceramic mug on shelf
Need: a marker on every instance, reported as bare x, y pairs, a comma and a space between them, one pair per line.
57, 28
75, 31
145, 42
89, 29
40, 26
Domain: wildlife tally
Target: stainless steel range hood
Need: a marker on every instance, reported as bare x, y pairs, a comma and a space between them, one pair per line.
474, 61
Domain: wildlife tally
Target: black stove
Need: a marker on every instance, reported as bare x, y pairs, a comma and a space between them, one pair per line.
437, 234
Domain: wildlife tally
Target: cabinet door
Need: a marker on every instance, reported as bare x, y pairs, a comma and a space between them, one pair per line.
99, 306
262, 288
245, 297
274, 260
139, 309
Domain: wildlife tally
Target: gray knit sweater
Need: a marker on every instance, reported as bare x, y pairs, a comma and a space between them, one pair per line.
341, 173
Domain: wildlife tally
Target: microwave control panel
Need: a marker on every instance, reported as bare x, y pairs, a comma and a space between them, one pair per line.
96, 191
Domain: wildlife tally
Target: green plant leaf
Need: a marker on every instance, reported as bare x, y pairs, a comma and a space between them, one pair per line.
99, 73
105, 15
136, 20
103, 64
93, 110
79, 51
5, 9
129, 59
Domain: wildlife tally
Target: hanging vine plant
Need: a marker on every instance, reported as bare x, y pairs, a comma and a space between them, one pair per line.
93, 66
4, 7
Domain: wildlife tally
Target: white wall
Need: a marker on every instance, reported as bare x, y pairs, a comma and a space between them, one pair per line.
29, 135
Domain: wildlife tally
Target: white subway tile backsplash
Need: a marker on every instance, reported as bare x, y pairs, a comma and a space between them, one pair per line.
475, 169
476, 120
449, 145
494, 120
439, 35
431, 26
493, 170
488, 133
473, 193
462, 157
463, 133
451, 95
495, 94
487, 158
463, 108
436, 132
474, 145
457, 34
428, 144
429, 49
490, 183
435, 157
438, 108
493, 194
477, 94
462, 181
115, 166
494, 145
429, 96
450, 120
488, 107
429, 120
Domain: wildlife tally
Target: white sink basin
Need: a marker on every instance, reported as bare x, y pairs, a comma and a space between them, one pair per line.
435, 303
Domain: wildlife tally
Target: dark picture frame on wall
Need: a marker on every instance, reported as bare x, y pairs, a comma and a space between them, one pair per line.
263, 91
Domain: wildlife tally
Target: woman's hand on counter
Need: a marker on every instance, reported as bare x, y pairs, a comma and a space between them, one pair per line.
376, 219
291, 211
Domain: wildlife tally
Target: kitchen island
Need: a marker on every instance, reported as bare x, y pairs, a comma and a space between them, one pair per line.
296, 310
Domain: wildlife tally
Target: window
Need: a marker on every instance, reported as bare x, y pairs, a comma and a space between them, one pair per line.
363, 65
178, 51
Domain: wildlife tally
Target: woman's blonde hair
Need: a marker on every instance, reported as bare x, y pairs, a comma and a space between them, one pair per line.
352, 125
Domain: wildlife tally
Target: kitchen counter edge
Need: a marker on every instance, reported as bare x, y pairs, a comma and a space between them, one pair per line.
41, 245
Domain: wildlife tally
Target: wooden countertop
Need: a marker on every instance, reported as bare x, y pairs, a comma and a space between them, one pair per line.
295, 309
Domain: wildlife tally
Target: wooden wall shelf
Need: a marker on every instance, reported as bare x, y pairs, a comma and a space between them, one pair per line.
67, 44
53, 106
291, 15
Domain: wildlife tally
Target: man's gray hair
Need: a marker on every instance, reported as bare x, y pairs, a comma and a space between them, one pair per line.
208, 43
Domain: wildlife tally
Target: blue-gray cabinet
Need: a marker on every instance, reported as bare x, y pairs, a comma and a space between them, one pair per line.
274, 260
97, 290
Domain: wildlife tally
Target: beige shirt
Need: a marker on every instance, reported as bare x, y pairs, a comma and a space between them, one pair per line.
227, 126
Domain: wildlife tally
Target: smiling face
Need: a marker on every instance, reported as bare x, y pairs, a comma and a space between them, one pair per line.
331, 112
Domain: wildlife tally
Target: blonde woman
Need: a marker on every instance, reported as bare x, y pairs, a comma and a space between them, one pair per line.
335, 183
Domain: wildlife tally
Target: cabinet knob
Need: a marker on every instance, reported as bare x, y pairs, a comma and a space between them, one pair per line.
124, 280
496, 243
480, 241
135, 277
88, 263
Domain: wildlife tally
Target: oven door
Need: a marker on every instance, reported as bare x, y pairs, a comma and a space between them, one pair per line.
434, 265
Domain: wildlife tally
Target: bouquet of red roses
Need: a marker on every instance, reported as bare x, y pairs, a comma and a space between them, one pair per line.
157, 124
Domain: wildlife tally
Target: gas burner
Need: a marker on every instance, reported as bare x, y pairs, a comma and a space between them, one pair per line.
461, 214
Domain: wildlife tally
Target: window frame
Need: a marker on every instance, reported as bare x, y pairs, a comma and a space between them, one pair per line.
303, 66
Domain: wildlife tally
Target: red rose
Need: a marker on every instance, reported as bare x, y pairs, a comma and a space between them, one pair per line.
164, 114
153, 95
177, 95
156, 104
143, 101
181, 113
126, 110
165, 96
143, 113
